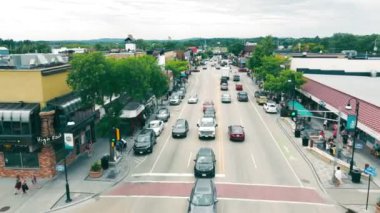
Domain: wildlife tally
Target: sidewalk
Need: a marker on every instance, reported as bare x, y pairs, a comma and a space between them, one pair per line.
349, 194
49, 194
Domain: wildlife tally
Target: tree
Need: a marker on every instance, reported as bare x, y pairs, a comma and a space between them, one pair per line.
271, 65
284, 82
176, 66
264, 48
236, 48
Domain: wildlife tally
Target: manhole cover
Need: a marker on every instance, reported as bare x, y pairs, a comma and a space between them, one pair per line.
5, 208
305, 181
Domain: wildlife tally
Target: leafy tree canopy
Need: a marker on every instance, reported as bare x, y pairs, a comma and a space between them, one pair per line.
176, 66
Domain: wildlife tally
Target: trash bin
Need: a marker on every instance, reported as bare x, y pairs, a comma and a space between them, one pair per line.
355, 176
305, 141
297, 133
104, 161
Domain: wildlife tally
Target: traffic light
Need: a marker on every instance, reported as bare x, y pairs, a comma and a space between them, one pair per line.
293, 114
117, 134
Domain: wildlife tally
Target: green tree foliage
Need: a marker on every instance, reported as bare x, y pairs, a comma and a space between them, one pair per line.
236, 48
177, 66
27, 46
284, 81
272, 64
265, 47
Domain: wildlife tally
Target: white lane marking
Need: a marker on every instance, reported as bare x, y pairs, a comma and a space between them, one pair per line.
139, 163
169, 175
275, 142
166, 142
253, 161
286, 148
188, 162
219, 198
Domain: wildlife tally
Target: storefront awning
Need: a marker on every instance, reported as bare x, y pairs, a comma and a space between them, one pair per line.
302, 111
132, 110
17, 112
68, 103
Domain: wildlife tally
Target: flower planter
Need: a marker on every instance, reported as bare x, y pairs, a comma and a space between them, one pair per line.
97, 174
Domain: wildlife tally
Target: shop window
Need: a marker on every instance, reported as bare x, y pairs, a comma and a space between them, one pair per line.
25, 129
16, 128
7, 127
21, 160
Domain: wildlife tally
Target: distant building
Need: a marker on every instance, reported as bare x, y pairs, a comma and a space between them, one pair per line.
32, 60
130, 45
4, 51
66, 51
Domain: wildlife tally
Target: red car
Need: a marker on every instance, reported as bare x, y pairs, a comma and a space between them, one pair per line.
236, 133
208, 104
243, 70
239, 87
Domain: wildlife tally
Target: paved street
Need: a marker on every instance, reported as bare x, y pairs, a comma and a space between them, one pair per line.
266, 172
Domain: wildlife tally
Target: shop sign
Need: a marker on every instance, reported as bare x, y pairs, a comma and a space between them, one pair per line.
47, 140
351, 120
59, 168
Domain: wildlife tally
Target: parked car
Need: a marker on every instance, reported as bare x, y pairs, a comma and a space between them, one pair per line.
226, 98
203, 197
207, 104
242, 96
239, 87
157, 126
224, 86
204, 68
180, 128
163, 114
236, 133
242, 69
195, 70
181, 94
236, 77
270, 107
205, 163
259, 93
209, 112
193, 99
174, 99
144, 141
217, 67
261, 99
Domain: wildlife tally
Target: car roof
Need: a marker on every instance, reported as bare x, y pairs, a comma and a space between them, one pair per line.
205, 150
164, 108
181, 120
145, 131
203, 185
155, 121
242, 92
234, 128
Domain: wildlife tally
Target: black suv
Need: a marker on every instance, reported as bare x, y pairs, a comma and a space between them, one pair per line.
242, 96
180, 128
144, 142
205, 163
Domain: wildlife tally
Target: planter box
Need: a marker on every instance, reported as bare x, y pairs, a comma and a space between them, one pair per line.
98, 174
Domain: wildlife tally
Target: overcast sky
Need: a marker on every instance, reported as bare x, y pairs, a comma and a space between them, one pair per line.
158, 19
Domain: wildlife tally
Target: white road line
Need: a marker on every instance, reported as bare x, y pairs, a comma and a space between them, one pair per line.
139, 163
253, 161
286, 148
169, 175
188, 162
166, 142
275, 142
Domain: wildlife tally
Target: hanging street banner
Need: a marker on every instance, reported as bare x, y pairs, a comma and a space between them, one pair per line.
351, 120
69, 140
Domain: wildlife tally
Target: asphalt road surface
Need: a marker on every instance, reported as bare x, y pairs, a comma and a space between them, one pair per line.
265, 173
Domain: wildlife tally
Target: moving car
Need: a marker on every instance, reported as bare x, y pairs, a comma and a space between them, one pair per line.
163, 114
243, 69
261, 100
239, 87
204, 68
193, 99
209, 113
207, 104
236, 78
180, 128
203, 197
157, 126
223, 79
205, 163
242, 96
236, 133
144, 142
226, 98
174, 99
224, 86
270, 107
207, 128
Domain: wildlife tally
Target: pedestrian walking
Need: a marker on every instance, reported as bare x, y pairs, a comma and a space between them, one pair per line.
24, 185
34, 180
325, 124
338, 176
18, 184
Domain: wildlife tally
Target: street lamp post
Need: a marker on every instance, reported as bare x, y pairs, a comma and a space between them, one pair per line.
349, 107
70, 140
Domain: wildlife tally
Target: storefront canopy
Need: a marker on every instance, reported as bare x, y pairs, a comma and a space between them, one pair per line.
302, 111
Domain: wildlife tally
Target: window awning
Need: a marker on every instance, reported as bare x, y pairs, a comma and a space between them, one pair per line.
15, 115
302, 111
132, 110
71, 106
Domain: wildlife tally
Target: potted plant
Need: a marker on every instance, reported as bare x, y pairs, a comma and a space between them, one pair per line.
96, 170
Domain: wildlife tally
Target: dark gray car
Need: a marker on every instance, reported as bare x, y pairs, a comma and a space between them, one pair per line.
203, 197
205, 163
144, 142
163, 114
180, 128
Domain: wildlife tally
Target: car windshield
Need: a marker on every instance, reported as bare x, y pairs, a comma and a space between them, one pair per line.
237, 130
207, 123
180, 125
243, 94
202, 199
154, 125
175, 96
142, 138
204, 160
162, 111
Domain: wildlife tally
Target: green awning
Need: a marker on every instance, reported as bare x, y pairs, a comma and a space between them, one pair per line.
302, 111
